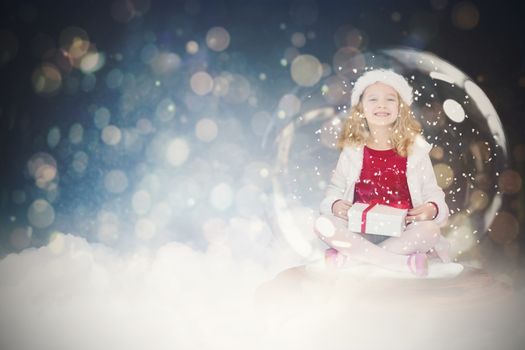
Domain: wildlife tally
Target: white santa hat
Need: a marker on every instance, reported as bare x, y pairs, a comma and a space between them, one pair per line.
384, 76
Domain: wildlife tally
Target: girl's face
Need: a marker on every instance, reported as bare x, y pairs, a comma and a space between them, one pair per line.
380, 105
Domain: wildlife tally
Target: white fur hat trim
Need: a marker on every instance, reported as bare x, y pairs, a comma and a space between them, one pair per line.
384, 76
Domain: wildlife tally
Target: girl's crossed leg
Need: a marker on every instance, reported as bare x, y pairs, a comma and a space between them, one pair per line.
391, 254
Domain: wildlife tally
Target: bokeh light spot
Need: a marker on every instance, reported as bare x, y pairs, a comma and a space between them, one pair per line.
504, 228
201, 83
46, 79
218, 39
260, 122
298, 39
306, 70
145, 229
20, 238
289, 105
114, 78
206, 130
166, 110
479, 200
347, 61
465, 15
177, 152
221, 196
43, 168
221, 86
192, 47
144, 126
239, 89
56, 243
141, 202
102, 117
444, 175
111, 135
40, 213
165, 63
510, 182
108, 226
92, 62
53, 137
75, 42
116, 181
80, 162
76, 133
348, 37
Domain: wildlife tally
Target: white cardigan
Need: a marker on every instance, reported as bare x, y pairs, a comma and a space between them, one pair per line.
421, 179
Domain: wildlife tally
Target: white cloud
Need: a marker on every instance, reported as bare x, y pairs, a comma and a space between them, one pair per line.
72, 294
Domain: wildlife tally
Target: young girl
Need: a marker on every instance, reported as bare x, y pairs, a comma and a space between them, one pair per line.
384, 158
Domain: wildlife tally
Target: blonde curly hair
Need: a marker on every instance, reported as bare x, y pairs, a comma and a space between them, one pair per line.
355, 130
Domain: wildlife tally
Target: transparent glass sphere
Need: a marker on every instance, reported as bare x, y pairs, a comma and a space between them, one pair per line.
457, 118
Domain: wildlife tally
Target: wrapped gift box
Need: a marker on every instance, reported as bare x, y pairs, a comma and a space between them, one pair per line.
376, 219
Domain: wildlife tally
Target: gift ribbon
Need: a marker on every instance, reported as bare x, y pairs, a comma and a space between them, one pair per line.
365, 212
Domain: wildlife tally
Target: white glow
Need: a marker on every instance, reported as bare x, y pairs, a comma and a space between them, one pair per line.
145, 229
108, 226
141, 202
83, 290
341, 244
221, 196
260, 122
290, 225
325, 227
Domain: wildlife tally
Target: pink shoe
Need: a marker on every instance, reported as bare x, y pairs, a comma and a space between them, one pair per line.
442, 249
418, 265
334, 259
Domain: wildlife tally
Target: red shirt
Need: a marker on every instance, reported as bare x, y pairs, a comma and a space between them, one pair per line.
383, 178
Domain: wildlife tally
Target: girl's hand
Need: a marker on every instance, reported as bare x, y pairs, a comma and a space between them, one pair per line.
426, 211
340, 208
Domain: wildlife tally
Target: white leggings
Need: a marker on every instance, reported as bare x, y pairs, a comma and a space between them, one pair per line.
420, 236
